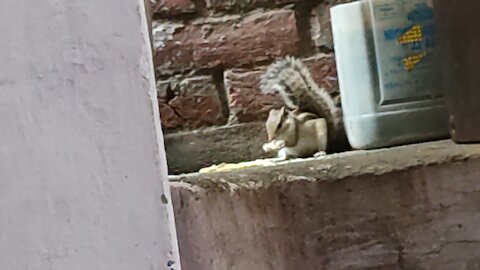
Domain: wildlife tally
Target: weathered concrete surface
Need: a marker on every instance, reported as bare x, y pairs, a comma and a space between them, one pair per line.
406, 208
83, 177
191, 151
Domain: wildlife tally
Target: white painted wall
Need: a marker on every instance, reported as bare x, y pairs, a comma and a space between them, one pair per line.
82, 162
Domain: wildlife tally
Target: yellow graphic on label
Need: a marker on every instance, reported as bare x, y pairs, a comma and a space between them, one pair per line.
410, 62
412, 35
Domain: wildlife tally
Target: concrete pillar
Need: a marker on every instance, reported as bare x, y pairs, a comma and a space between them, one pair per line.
83, 177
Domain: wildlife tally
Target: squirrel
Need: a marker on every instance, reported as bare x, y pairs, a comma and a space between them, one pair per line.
313, 121
295, 135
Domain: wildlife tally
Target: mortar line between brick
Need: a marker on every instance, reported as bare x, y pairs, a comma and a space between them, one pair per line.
218, 80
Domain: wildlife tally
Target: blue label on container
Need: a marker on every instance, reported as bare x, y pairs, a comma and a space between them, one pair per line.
421, 13
404, 33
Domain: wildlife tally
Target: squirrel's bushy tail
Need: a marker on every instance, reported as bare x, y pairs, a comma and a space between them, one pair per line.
293, 80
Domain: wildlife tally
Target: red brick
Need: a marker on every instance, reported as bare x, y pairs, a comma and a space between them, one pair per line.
246, 102
189, 103
324, 71
229, 41
281, 2
172, 8
177, 55
321, 28
221, 5
169, 119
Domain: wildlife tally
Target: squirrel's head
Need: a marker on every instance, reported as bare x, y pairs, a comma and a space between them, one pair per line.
281, 126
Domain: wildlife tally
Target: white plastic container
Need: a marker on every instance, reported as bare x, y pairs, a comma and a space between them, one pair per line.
388, 76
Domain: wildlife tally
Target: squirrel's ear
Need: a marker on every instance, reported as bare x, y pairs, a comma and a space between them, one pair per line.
282, 110
273, 122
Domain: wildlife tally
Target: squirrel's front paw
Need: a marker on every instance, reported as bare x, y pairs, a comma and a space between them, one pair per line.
320, 154
273, 146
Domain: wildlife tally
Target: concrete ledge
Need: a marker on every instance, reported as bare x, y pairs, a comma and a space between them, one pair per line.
410, 207
191, 151
349, 164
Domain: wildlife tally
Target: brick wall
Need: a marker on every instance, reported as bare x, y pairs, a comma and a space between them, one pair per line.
210, 54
